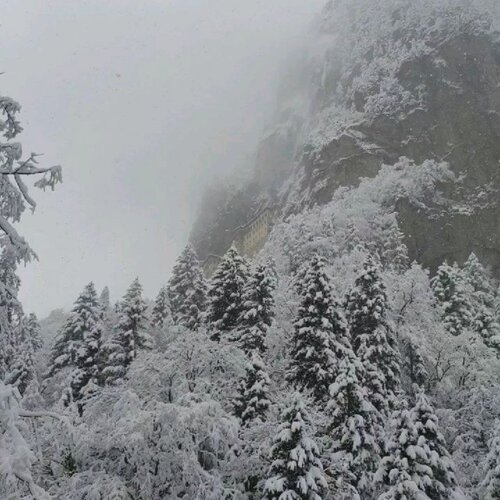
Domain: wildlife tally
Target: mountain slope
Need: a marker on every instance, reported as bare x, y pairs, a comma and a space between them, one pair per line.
384, 80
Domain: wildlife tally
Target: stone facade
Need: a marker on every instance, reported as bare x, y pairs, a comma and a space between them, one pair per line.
247, 239
250, 238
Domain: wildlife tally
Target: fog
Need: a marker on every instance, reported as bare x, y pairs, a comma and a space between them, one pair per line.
142, 102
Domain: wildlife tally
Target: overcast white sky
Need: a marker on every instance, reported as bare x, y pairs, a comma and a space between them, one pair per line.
139, 100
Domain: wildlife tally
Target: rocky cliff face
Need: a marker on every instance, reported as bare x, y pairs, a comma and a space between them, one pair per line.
458, 121
391, 79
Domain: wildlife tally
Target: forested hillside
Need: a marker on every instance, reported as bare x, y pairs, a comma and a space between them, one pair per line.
378, 81
340, 362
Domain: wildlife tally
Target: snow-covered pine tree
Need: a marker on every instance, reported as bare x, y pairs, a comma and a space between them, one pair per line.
417, 464
26, 341
118, 352
485, 323
112, 367
187, 290
414, 369
15, 198
225, 295
16, 479
449, 289
161, 309
252, 401
490, 487
70, 338
30, 331
16, 473
355, 452
296, 472
87, 324
63, 351
482, 300
11, 312
394, 251
104, 299
320, 338
476, 275
258, 308
352, 237
372, 339
132, 324
22, 370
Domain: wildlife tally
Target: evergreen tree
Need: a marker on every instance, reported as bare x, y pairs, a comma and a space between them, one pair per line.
485, 323
482, 300
491, 484
187, 290
112, 367
22, 371
25, 342
320, 339
352, 237
476, 275
417, 464
88, 321
132, 324
104, 299
252, 401
371, 337
354, 445
63, 350
413, 365
30, 331
86, 376
15, 198
296, 472
11, 312
394, 251
161, 310
226, 294
9, 280
70, 339
258, 308
449, 289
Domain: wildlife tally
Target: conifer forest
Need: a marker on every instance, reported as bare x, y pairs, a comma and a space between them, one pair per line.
326, 327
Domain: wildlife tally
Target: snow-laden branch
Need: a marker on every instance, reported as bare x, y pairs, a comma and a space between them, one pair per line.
24, 191
17, 456
25, 252
42, 414
13, 165
36, 491
50, 175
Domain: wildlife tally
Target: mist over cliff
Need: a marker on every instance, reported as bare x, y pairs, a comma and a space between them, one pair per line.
379, 81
